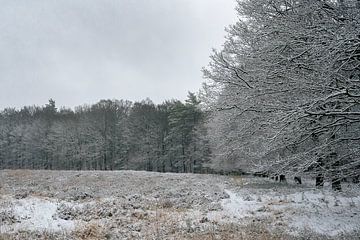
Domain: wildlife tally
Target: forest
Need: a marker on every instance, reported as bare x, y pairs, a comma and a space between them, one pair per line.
282, 96
109, 135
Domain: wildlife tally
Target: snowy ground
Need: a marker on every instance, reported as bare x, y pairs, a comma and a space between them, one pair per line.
143, 205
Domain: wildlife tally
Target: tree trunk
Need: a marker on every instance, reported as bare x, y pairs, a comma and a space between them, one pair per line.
105, 162
319, 181
297, 180
282, 178
356, 179
336, 184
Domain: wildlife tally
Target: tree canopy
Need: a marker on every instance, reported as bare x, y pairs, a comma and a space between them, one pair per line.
108, 135
287, 84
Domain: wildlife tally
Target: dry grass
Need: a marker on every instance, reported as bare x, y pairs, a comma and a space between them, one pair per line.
91, 231
27, 235
256, 231
129, 205
19, 175
167, 230
166, 204
233, 231
238, 180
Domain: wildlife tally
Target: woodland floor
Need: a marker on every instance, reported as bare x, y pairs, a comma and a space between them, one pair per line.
145, 205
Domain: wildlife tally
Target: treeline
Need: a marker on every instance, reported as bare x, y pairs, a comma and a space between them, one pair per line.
109, 135
287, 88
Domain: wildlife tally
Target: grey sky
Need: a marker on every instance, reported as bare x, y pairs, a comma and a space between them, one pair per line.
81, 51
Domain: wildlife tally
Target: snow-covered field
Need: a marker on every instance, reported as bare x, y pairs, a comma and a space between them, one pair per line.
144, 205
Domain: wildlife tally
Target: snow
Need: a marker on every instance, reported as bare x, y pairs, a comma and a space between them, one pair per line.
322, 212
126, 202
236, 207
37, 214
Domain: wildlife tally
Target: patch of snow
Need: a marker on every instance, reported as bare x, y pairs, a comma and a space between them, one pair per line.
324, 224
237, 207
323, 212
37, 214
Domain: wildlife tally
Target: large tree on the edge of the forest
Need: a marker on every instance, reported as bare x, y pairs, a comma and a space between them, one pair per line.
288, 88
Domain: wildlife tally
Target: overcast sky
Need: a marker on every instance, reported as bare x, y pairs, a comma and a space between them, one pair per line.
81, 51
